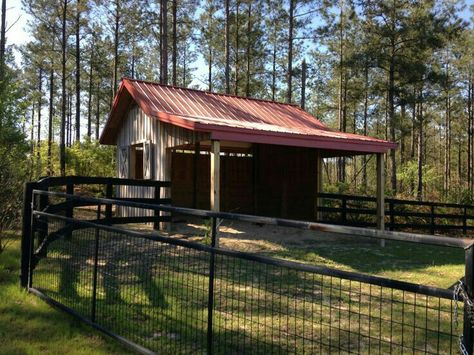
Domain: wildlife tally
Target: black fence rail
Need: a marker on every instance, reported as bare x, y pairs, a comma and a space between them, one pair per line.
106, 187
400, 215
159, 294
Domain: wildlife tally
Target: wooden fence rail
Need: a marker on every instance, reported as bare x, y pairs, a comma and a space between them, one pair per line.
404, 215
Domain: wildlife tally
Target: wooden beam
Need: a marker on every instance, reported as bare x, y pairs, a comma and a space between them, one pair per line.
216, 182
255, 176
319, 184
215, 175
381, 194
197, 152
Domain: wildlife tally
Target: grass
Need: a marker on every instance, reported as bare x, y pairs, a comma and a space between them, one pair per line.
420, 264
29, 326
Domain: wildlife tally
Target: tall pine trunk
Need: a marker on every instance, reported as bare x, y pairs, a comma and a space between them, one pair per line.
164, 42
40, 106
175, 48
249, 48
97, 112
237, 48
62, 143
78, 72
50, 118
89, 103
227, 48
303, 84
289, 72
419, 193
117, 19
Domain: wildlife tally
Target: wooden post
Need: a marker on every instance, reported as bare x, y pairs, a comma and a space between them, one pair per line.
319, 185
468, 332
197, 152
255, 176
381, 194
215, 178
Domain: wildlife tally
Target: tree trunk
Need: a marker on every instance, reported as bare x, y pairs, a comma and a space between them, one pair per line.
447, 140
97, 112
50, 118
303, 84
175, 48
237, 48
227, 48
366, 114
341, 103
117, 16
470, 131
32, 128
3, 42
420, 147
89, 103
78, 72
249, 48
391, 113
62, 143
274, 57
40, 105
290, 52
164, 42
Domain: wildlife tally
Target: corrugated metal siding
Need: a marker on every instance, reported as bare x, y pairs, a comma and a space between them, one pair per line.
138, 128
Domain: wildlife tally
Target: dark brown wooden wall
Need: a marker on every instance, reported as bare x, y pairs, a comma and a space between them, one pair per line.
281, 182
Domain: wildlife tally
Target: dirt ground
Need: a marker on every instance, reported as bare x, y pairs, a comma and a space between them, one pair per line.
252, 237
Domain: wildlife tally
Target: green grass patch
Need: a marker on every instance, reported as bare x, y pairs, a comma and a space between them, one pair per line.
30, 326
410, 262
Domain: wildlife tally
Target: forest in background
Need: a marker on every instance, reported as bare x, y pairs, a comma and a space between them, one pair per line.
401, 70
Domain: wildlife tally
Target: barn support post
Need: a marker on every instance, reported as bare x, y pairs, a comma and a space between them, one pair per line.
197, 152
381, 194
319, 185
165, 192
215, 178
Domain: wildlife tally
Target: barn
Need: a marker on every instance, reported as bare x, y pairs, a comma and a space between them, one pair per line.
228, 153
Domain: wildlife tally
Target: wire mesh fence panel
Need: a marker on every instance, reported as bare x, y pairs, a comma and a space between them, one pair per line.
152, 293
263, 308
155, 292
65, 266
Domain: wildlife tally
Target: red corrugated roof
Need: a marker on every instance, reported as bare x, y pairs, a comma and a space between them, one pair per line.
233, 118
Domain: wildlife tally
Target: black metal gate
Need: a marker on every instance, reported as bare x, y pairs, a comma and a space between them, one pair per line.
156, 293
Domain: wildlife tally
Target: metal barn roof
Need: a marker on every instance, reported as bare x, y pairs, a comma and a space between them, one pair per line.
233, 118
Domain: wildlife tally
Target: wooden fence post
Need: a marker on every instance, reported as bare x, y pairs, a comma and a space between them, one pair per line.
468, 332
381, 194
432, 220
27, 233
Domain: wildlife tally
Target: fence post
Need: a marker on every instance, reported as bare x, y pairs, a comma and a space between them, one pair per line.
210, 303
42, 226
26, 235
464, 221
392, 216
156, 213
70, 209
432, 220
96, 262
344, 208
468, 333
108, 207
